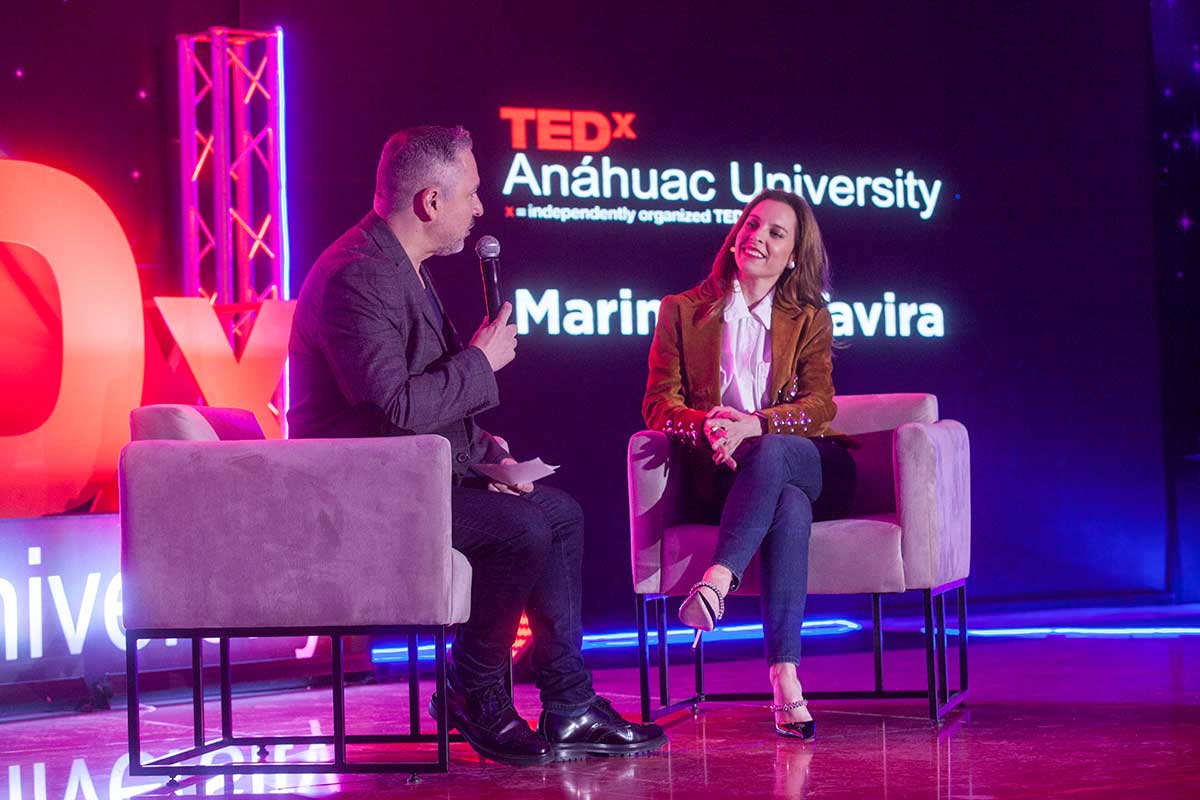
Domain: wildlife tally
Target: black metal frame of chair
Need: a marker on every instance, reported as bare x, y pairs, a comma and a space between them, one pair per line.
171, 766
938, 692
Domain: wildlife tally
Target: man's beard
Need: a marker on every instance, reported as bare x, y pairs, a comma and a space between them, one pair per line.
453, 244
450, 248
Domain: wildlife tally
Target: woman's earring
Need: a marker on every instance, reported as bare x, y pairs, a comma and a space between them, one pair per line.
791, 265
732, 249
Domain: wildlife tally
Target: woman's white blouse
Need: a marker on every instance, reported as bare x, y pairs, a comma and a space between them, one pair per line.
746, 352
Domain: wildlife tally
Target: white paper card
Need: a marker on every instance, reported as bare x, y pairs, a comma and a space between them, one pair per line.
512, 474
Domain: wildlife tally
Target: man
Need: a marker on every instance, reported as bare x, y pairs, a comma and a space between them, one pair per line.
373, 354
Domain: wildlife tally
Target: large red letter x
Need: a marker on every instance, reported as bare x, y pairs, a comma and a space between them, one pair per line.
624, 125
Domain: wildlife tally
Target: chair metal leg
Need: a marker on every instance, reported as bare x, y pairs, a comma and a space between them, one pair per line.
663, 657
962, 637
939, 605
226, 690
414, 685
339, 702
176, 763
877, 638
197, 691
134, 720
930, 675
443, 715
643, 657
941, 697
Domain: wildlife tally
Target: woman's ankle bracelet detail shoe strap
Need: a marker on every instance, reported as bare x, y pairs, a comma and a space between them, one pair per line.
788, 706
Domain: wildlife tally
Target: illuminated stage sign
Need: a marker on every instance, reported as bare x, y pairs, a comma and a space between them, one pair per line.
590, 131
578, 317
60, 605
548, 175
76, 334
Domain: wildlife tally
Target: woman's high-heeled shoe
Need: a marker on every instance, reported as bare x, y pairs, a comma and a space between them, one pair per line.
696, 612
805, 731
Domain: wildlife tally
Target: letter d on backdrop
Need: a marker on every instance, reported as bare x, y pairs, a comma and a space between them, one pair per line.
57, 460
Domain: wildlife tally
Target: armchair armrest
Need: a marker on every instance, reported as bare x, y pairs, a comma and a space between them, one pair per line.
303, 532
933, 501
864, 413
656, 491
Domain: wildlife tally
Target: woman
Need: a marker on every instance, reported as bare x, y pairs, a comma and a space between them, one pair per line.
741, 373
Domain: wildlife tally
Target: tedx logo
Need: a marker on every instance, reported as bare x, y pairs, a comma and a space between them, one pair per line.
566, 129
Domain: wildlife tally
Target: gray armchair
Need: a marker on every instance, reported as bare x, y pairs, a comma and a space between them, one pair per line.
227, 535
909, 529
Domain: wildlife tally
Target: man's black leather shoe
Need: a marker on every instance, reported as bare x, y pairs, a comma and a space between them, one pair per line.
490, 724
599, 731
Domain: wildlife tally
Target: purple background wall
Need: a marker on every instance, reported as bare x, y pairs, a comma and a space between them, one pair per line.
1036, 116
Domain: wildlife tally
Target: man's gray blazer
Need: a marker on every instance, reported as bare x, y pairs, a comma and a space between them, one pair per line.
370, 356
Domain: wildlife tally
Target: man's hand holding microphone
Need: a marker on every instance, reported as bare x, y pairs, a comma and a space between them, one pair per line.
497, 339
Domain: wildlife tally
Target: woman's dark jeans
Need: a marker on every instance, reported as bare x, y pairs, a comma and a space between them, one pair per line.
769, 507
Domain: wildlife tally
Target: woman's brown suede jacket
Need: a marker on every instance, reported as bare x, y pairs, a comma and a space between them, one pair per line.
685, 359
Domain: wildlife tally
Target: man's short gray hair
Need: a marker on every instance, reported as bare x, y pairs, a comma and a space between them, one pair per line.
413, 159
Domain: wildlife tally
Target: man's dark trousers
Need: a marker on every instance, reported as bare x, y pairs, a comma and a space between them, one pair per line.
526, 554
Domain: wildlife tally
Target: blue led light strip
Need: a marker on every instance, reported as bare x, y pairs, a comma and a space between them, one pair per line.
832, 627
1079, 632
596, 641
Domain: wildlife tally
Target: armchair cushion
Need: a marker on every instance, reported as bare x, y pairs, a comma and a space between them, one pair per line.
845, 556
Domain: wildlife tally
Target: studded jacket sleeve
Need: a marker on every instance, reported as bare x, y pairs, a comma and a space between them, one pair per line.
664, 406
805, 401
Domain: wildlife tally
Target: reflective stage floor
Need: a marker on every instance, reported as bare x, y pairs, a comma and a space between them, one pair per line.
1055, 716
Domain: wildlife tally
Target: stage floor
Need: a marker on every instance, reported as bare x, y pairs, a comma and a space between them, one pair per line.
1047, 717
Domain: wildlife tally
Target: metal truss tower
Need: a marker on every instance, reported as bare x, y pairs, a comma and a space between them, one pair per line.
233, 177
233, 180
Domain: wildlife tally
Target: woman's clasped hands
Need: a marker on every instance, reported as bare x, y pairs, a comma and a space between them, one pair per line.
726, 428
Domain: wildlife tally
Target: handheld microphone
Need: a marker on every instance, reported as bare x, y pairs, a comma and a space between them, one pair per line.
488, 250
